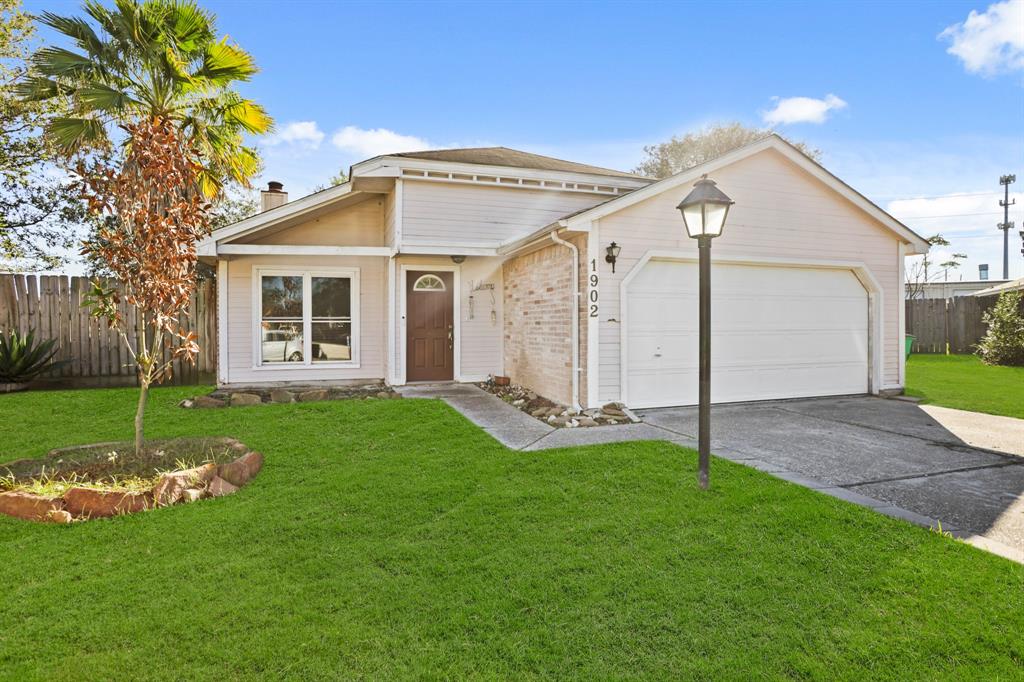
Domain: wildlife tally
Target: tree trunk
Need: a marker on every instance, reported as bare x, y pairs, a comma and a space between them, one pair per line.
140, 414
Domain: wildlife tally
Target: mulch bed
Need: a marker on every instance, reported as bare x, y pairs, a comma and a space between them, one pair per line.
111, 479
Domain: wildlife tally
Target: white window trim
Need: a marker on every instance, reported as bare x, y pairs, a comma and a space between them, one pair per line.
307, 311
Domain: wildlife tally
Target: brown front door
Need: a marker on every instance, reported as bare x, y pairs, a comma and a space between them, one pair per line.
430, 326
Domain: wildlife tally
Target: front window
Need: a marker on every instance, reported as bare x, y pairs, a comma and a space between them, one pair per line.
306, 318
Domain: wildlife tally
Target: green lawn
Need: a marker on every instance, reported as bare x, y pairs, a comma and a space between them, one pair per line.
966, 383
392, 539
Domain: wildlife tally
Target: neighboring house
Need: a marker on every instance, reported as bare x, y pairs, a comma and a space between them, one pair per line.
463, 263
1004, 286
948, 289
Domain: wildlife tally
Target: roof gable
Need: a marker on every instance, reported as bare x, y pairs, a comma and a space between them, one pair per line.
685, 178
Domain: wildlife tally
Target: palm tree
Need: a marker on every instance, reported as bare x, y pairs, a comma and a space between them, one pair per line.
155, 59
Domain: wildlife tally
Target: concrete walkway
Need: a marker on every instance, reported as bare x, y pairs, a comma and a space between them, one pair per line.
921, 464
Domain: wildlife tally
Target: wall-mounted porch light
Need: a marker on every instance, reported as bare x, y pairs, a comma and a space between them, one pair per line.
611, 254
458, 259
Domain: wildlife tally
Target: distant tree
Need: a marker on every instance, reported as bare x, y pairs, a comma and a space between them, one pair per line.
236, 204
335, 180
920, 273
38, 208
692, 149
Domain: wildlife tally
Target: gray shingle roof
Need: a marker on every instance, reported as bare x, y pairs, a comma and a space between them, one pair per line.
513, 158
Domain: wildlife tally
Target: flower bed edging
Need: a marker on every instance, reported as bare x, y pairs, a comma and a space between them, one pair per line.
175, 487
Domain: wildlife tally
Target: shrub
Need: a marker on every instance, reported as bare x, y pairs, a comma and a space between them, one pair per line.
1004, 341
22, 359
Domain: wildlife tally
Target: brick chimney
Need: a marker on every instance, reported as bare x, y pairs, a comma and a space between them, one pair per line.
273, 196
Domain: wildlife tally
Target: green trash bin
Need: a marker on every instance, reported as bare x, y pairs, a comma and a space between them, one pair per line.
910, 338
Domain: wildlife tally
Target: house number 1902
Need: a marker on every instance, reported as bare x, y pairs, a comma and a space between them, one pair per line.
593, 295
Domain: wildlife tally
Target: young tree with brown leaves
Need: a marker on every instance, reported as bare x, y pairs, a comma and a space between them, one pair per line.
150, 248
157, 129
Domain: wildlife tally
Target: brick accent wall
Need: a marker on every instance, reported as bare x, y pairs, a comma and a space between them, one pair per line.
538, 330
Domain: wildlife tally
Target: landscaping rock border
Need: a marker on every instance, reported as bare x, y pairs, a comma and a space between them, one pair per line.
175, 487
295, 394
552, 413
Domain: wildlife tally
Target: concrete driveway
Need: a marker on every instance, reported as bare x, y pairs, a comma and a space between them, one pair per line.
965, 469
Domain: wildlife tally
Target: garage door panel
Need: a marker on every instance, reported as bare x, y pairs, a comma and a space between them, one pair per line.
776, 333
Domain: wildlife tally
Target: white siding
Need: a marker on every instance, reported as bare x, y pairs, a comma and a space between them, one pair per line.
780, 212
439, 213
241, 321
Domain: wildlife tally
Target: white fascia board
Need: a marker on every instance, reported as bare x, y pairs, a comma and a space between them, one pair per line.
917, 243
292, 209
511, 246
301, 250
403, 163
447, 250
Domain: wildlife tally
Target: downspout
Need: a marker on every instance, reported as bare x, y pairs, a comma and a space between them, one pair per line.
575, 318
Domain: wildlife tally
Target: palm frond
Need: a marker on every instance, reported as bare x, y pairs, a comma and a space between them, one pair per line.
105, 98
72, 134
75, 28
37, 89
224, 63
58, 62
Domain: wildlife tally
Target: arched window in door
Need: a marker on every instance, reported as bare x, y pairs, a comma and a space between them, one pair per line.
428, 283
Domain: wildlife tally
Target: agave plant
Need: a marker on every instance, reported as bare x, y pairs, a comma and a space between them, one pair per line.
23, 359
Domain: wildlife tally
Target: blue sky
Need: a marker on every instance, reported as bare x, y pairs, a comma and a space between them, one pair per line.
897, 115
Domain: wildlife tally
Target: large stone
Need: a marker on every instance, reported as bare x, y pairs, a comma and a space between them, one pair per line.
540, 412
279, 395
314, 395
207, 401
192, 495
242, 470
28, 506
245, 399
586, 421
218, 487
60, 516
93, 503
170, 487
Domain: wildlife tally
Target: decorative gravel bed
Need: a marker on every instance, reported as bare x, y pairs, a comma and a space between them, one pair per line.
244, 397
554, 414
110, 479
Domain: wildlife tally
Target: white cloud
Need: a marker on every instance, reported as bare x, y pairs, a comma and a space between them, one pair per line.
801, 109
305, 134
989, 42
366, 144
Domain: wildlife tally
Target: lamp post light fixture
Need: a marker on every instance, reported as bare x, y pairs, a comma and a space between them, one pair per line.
611, 254
704, 212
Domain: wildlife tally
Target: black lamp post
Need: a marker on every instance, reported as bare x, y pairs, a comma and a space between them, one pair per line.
704, 211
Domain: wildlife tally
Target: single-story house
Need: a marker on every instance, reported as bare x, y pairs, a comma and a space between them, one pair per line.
458, 264
950, 289
1002, 287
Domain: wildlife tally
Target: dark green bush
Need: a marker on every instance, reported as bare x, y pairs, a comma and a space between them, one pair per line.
23, 359
1004, 341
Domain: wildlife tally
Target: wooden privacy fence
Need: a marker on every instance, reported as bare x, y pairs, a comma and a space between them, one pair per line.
51, 305
956, 322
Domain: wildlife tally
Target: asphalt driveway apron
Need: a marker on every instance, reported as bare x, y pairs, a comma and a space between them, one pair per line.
892, 451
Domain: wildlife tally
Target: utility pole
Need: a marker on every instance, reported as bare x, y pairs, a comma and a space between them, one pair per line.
1006, 225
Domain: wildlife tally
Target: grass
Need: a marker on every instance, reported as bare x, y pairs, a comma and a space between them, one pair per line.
392, 539
966, 383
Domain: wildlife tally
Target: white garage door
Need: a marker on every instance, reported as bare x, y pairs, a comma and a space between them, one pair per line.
776, 332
